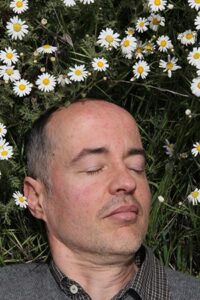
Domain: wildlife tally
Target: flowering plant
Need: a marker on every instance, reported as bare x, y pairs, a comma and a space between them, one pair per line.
137, 54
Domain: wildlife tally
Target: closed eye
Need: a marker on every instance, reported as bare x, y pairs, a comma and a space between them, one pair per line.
95, 171
137, 170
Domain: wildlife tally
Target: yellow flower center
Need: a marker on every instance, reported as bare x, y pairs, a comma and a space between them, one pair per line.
169, 65
19, 4
100, 64
21, 199
78, 72
9, 72
155, 21
126, 43
109, 38
4, 153
46, 81
17, 27
197, 1
198, 85
9, 55
189, 36
157, 2
131, 31
163, 43
1, 130
141, 24
196, 55
198, 148
138, 50
195, 194
148, 47
140, 69
22, 87
47, 46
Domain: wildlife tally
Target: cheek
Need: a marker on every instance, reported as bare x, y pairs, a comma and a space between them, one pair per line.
77, 199
144, 195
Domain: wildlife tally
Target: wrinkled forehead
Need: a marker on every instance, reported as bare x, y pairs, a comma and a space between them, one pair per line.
88, 119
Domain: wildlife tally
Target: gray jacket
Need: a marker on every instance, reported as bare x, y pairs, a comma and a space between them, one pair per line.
35, 282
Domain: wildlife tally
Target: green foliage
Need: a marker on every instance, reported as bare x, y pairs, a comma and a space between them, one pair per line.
157, 102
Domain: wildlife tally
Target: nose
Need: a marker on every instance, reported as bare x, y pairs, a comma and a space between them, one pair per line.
122, 182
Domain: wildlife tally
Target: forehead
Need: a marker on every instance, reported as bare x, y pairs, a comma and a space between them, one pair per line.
92, 122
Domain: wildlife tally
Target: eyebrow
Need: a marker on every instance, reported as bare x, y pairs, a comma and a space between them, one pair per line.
103, 150
89, 151
136, 151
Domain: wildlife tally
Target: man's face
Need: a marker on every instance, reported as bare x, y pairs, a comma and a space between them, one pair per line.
100, 199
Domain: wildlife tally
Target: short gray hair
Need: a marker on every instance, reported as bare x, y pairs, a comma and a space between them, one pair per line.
38, 148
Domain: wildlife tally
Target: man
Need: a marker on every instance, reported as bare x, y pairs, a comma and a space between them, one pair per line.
87, 182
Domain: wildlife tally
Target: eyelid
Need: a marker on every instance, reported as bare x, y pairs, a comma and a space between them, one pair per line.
137, 168
94, 170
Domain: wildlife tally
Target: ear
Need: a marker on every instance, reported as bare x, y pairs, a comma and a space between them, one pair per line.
35, 193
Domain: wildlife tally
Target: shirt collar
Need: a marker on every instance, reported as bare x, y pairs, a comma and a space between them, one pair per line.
149, 283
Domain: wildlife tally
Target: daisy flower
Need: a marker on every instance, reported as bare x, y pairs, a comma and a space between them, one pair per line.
161, 199
149, 47
20, 200
194, 4
170, 6
9, 56
6, 151
169, 148
195, 86
141, 69
87, 1
157, 5
69, 2
100, 64
197, 22
9, 73
194, 57
63, 80
46, 82
17, 28
19, 6
44, 21
187, 37
22, 87
188, 113
196, 150
108, 39
169, 65
47, 49
78, 73
155, 20
194, 197
139, 50
128, 45
141, 25
3, 130
130, 31
164, 43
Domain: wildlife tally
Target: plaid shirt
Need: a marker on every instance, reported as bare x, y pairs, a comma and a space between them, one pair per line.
149, 283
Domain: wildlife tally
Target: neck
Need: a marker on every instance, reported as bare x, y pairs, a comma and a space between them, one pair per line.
101, 277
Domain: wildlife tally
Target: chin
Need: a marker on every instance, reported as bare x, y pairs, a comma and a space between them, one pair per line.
121, 247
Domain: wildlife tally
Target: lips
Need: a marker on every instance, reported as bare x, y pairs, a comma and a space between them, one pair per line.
125, 209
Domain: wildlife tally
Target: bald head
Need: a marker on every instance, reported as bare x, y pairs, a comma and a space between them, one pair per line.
82, 120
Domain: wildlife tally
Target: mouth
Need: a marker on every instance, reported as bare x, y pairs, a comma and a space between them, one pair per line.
126, 213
